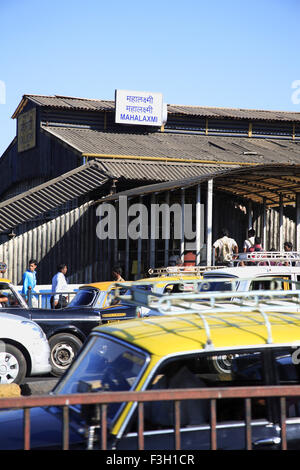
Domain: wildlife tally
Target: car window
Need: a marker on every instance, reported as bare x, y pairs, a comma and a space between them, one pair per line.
105, 365
276, 284
222, 370
287, 368
7, 296
217, 285
83, 298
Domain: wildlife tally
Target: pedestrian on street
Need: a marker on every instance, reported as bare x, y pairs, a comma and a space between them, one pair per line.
250, 241
225, 249
117, 274
29, 281
59, 284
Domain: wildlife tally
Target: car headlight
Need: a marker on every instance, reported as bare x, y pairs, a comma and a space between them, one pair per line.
34, 328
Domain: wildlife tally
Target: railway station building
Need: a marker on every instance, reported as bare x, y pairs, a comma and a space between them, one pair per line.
234, 168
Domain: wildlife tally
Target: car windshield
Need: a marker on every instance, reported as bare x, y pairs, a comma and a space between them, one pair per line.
217, 285
103, 365
84, 297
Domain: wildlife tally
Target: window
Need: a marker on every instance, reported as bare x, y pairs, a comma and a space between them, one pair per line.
276, 283
222, 370
287, 370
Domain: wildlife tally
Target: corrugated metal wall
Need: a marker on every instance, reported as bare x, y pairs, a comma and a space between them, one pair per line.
70, 238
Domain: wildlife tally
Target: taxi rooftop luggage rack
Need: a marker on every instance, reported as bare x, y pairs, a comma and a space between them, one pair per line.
181, 270
263, 302
268, 257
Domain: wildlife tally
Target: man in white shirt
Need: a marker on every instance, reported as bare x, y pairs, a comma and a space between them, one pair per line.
59, 284
250, 241
225, 249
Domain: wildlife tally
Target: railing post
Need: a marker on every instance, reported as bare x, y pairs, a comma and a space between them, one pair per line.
65, 428
213, 423
283, 423
141, 425
26, 428
248, 423
177, 424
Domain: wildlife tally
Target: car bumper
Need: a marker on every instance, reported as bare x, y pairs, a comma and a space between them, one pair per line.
40, 358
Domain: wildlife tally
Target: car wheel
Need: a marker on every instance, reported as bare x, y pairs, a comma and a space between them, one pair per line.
221, 364
63, 349
13, 365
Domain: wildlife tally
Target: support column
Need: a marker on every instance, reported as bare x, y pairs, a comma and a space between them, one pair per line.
139, 250
298, 221
280, 223
198, 224
264, 226
167, 240
250, 215
209, 222
127, 248
152, 235
182, 245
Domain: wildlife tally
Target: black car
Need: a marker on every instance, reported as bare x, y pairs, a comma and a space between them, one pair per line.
68, 328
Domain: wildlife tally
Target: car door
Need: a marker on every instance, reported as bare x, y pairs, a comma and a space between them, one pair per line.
287, 372
240, 368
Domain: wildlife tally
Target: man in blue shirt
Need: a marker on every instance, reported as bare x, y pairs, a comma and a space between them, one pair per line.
29, 279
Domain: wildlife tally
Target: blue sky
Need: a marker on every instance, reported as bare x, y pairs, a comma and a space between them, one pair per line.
227, 53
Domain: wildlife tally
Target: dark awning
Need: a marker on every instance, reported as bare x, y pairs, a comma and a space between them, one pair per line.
47, 196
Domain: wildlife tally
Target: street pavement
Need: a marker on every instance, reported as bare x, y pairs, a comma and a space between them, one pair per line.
38, 385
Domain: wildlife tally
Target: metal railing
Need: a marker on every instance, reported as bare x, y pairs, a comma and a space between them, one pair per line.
104, 399
42, 299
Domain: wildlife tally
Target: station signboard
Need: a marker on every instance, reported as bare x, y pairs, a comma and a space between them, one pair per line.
139, 108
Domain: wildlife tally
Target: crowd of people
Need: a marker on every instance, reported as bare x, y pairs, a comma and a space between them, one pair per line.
226, 248
59, 283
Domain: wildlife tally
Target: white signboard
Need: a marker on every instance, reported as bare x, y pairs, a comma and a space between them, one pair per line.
139, 107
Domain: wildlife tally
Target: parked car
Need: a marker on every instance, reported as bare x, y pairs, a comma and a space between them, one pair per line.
250, 278
24, 349
67, 329
229, 349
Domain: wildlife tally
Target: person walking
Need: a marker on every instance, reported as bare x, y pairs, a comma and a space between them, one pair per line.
250, 241
29, 282
117, 274
225, 249
59, 284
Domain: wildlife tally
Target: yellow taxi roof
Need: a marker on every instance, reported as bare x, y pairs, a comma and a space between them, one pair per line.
161, 280
163, 335
102, 286
2, 279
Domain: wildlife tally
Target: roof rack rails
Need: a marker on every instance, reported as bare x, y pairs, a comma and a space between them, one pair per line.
138, 294
183, 270
265, 303
268, 257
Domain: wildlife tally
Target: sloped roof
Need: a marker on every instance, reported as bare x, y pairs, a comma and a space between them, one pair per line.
47, 196
70, 102
182, 146
269, 183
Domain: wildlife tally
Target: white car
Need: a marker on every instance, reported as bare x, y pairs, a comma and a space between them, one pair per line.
24, 349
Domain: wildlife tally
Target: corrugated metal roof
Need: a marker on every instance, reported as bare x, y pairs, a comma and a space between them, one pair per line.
152, 171
259, 183
179, 145
69, 102
49, 195
54, 193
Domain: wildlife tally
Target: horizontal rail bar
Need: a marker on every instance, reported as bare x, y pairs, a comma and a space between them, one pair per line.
150, 395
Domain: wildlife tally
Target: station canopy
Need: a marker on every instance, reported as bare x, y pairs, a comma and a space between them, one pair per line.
270, 184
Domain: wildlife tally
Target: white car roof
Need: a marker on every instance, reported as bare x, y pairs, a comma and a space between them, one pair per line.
253, 271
